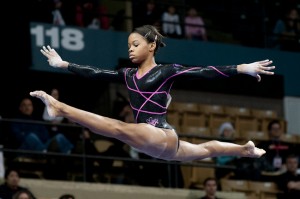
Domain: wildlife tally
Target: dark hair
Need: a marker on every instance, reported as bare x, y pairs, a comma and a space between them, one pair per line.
9, 170
151, 34
209, 179
18, 193
273, 122
67, 196
292, 156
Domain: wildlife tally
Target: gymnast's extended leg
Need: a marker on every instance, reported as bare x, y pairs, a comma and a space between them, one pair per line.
144, 137
189, 152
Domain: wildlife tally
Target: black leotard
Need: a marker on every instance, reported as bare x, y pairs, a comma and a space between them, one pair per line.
149, 94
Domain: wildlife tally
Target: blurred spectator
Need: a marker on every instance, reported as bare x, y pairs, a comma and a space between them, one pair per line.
226, 132
28, 135
289, 181
194, 25
286, 31
67, 196
46, 116
210, 188
57, 16
22, 194
149, 14
171, 23
90, 18
276, 149
88, 14
103, 18
11, 185
57, 128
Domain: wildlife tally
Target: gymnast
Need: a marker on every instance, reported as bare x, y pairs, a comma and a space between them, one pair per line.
149, 86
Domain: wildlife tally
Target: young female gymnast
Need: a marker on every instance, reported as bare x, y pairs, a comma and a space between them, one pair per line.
149, 85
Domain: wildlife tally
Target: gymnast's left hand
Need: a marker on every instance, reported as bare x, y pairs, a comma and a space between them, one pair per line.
256, 68
54, 58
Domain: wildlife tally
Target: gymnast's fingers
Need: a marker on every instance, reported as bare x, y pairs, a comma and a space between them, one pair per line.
44, 53
45, 49
267, 67
49, 48
264, 61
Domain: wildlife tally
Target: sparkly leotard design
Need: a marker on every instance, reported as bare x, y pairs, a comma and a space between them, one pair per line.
149, 94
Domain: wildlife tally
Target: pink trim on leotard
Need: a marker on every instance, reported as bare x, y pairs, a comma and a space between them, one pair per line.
218, 71
139, 77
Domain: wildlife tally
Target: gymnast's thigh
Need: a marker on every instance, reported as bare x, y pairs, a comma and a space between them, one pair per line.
143, 134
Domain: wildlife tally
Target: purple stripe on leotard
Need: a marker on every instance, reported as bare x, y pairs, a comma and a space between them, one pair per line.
170, 87
138, 91
159, 88
141, 92
157, 113
154, 113
218, 71
137, 74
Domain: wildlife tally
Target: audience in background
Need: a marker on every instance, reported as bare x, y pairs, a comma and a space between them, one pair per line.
276, 149
287, 31
23, 194
28, 134
148, 14
95, 14
11, 185
194, 25
58, 122
171, 23
210, 188
67, 196
103, 16
289, 181
226, 132
87, 14
57, 15
54, 93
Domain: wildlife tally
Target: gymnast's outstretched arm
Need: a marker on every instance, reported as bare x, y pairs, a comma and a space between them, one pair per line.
253, 69
92, 72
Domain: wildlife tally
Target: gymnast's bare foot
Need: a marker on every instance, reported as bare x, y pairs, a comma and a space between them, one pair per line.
51, 103
252, 151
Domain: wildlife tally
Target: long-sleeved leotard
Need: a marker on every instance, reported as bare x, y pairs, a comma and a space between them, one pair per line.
149, 94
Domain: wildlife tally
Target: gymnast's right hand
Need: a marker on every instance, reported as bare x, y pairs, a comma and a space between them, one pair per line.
53, 57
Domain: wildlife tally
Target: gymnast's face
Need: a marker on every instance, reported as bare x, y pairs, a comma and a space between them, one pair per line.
139, 49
